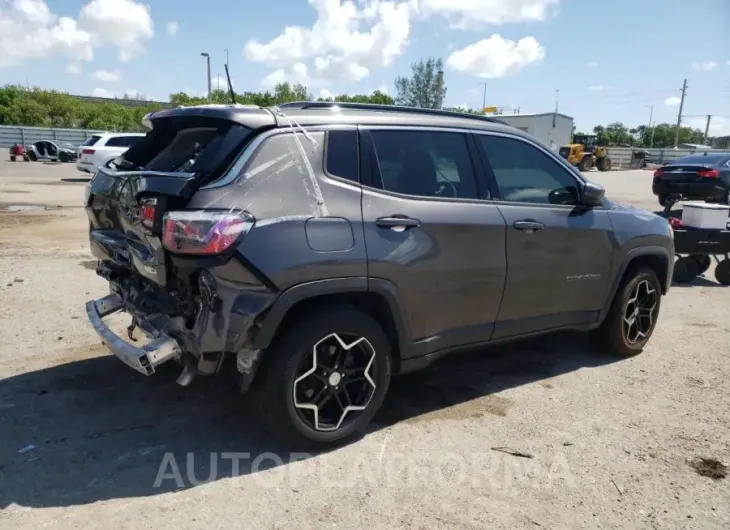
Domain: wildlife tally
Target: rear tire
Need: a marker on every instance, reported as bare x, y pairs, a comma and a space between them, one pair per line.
63, 157
12, 158
663, 200
306, 407
633, 314
32, 157
585, 164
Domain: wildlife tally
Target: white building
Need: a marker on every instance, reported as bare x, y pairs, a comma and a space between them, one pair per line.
552, 129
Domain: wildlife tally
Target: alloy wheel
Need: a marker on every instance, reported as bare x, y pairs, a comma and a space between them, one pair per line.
334, 381
639, 314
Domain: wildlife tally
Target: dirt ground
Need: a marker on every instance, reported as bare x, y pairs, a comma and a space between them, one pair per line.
594, 442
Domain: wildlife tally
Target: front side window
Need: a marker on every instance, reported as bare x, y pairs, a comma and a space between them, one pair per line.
524, 173
425, 164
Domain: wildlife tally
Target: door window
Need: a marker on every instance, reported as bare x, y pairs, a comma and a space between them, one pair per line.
425, 164
523, 173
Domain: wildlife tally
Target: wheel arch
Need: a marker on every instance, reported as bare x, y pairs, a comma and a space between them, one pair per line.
655, 258
380, 299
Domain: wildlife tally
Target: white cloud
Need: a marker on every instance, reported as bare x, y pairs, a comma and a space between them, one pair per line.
719, 126
345, 44
470, 14
592, 64
496, 56
326, 94
383, 88
172, 28
125, 24
73, 68
597, 88
108, 76
102, 93
704, 66
672, 101
30, 31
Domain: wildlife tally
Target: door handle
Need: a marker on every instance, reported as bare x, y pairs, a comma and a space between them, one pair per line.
396, 223
528, 225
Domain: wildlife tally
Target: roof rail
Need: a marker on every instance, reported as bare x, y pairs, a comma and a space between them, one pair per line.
385, 108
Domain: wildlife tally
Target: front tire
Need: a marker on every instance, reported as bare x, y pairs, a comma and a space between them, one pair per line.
604, 164
32, 157
63, 157
585, 164
324, 378
633, 314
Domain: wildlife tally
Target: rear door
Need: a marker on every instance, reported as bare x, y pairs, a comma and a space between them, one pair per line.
558, 254
430, 230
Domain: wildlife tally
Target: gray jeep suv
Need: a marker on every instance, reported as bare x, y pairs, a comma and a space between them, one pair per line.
315, 250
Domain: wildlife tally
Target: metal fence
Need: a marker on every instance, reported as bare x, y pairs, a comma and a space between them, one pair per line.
11, 135
621, 156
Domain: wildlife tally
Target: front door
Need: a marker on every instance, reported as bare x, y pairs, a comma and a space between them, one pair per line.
558, 253
429, 231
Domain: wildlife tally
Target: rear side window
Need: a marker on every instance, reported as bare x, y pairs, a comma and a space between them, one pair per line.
122, 141
91, 140
425, 164
341, 157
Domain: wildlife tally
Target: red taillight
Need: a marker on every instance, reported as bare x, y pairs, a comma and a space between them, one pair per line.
675, 222
203, 232
708, 173
87, 151
147, 210
659, 173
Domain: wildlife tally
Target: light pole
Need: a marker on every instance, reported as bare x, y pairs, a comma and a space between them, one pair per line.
210, 92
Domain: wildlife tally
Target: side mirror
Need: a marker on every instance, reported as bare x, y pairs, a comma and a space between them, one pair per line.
564, 196
593, 194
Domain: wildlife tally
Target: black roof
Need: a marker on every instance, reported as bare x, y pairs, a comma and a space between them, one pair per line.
309, 114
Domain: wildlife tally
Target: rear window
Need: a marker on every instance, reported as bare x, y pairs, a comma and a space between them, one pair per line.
122, 141
186, 145
91, 140
711, 159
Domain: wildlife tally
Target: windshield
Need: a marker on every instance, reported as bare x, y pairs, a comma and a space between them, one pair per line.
706, 159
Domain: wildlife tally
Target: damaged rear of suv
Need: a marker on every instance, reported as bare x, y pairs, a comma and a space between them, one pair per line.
313, 250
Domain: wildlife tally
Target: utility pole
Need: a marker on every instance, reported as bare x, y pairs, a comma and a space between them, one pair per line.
707, 129
484, 97
679, 115
557, 95
651, 116
210, 92
440, 89
227, 63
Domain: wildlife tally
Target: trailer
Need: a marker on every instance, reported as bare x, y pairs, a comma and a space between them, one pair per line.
696, 248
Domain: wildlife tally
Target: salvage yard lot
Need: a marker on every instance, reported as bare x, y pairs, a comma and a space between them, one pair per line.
589, 441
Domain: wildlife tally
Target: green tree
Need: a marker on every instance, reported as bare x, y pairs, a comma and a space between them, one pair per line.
422, 89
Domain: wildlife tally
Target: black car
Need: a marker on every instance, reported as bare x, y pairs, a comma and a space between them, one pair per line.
700, 176
314, 250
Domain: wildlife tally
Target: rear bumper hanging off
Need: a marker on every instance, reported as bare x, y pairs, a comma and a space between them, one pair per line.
160, 349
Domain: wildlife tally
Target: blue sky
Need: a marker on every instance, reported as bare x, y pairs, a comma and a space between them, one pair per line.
610, 61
